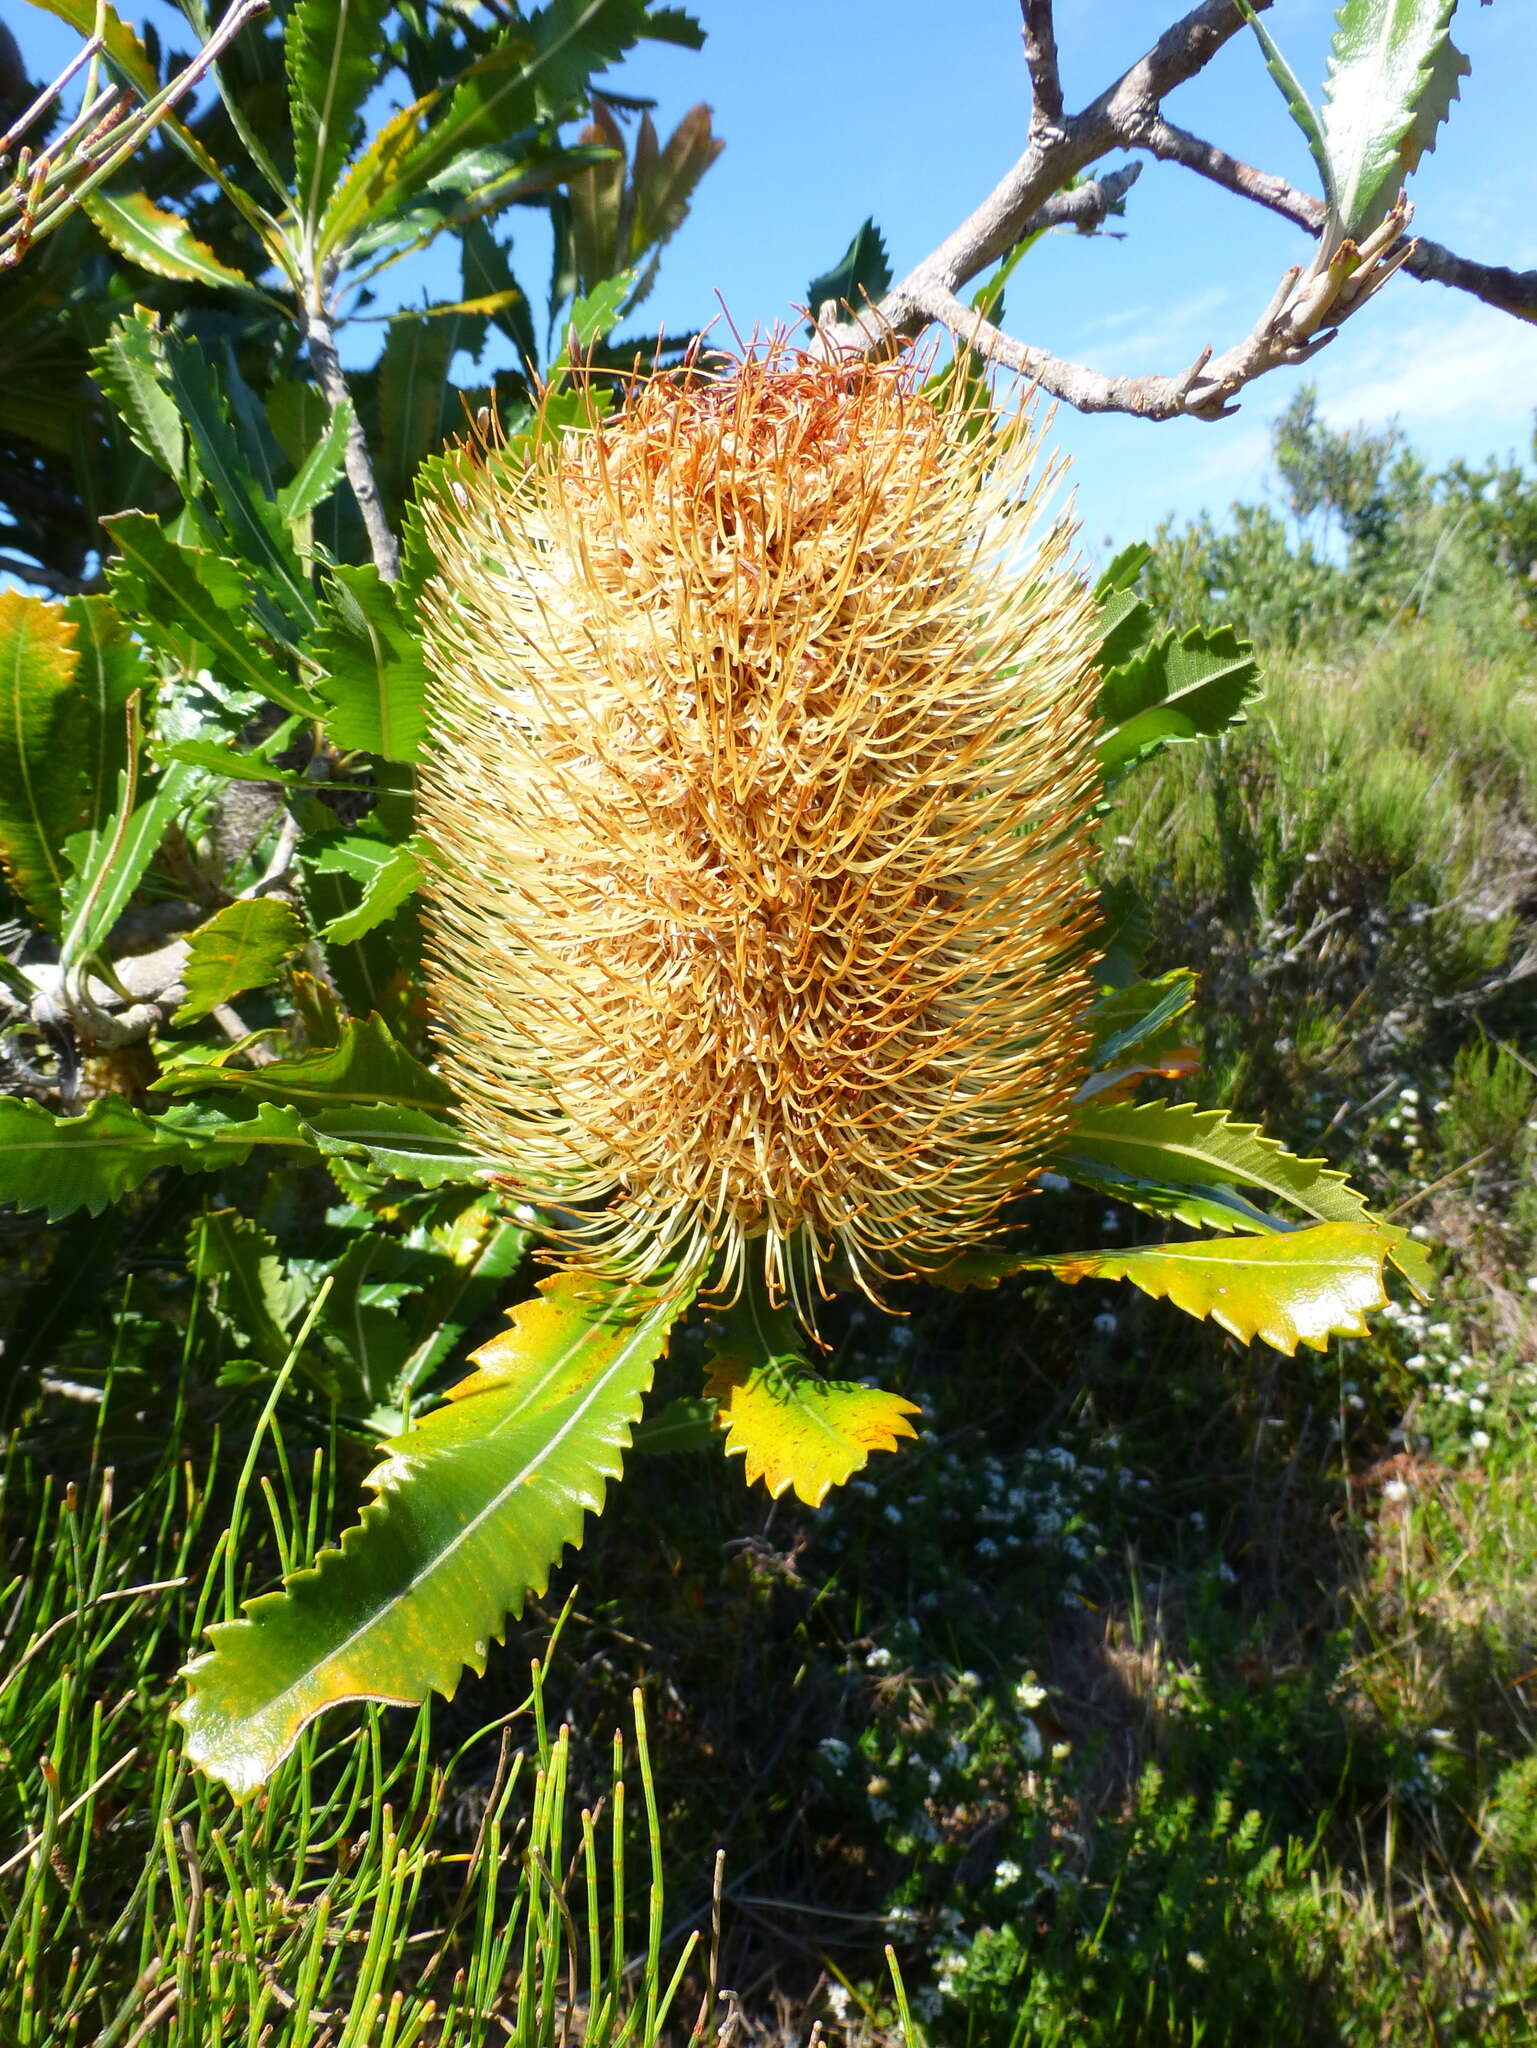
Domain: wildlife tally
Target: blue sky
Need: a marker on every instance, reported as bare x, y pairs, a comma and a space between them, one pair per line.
910, 110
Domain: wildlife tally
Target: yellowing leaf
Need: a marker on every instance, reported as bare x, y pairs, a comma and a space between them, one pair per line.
472, 1510
42, 740
159, 242
1295, 1287
795, 1429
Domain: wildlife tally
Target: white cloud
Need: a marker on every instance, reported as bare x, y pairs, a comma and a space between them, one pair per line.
1178, 330
1468, 364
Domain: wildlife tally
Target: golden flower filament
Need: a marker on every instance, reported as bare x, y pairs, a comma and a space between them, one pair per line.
761, 794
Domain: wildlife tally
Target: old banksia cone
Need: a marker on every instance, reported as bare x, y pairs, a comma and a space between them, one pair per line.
760, 795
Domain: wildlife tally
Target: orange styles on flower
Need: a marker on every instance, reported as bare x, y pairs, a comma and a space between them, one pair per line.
760, 794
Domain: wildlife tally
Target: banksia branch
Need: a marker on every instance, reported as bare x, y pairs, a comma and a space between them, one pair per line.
761, 799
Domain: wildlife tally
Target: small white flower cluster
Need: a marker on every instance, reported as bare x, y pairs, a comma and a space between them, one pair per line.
1452, 1398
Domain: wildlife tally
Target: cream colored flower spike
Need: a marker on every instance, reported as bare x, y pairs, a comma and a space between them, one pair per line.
761, 790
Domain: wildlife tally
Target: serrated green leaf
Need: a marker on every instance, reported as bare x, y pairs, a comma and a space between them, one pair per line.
541, 70
109, 671
375, 184
159, 242
321, 470
595, 314
673, 25
1296, 1287
241, 946
1124, 567
1137, 1019
368, 1067
60, 1164
190, 604
473, 1508
1177, 688
1392, 77
332, 49
253, 521
129, 368
417, 407
861, 276
109, 863
401, 1144
373, 678
248, 1289
793, 1427
390, 875
1173, 1143
44, 727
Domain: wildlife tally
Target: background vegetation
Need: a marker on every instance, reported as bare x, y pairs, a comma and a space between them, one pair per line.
1166, 1691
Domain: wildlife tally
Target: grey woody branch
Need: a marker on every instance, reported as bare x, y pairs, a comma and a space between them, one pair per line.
1040, 191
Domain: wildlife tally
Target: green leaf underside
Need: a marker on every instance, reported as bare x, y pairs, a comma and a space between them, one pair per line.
473, 1509
793, 1427
374, 681
1298, 1287
1298, 104
1393, 73
1173, 1143
242, 946
1175, 688
390, 875
368, 1067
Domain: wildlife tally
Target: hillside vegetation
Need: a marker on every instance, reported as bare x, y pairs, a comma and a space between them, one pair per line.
1166, 1691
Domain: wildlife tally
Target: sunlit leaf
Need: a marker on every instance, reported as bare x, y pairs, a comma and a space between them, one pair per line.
332, 49
193, 605
1294, 1287
62, 1163
390, 875
242, 946
794, 1427
1176, 688
1175, 1142
474, 1507
373, 678
1393, 73
368, 1067
44, 723
159, 242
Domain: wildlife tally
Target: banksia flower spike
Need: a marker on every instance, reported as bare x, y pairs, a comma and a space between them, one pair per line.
761, 798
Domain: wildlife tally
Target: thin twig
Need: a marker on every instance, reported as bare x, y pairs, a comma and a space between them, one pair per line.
1038, 190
